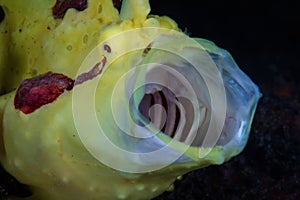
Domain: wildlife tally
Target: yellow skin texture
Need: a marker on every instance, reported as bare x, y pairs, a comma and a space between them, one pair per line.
33, 42
43, 149
56, 161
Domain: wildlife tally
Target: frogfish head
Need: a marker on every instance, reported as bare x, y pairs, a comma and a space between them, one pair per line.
115, 105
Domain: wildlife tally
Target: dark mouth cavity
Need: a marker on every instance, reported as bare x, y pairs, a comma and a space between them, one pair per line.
167, 100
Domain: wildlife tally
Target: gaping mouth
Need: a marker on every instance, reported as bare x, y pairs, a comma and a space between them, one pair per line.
171, 111
182, 114
165, 117
174, 116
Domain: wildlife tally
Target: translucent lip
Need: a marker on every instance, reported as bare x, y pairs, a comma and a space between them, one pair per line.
173, 117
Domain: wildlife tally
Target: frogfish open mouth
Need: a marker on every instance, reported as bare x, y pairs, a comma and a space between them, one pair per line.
97, 103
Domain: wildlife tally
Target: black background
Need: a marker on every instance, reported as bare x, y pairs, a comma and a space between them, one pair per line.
259, 36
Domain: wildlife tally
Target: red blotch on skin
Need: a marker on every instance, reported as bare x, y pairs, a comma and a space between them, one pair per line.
61, 7
38, 91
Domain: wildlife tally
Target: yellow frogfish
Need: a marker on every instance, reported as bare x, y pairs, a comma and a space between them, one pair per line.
104, 103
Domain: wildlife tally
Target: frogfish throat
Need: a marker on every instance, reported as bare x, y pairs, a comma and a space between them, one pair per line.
167, 116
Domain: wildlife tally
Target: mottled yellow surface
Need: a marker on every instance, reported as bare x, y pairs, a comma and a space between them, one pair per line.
43, 149
33, 41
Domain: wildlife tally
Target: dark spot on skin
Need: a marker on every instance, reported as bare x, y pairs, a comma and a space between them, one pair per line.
95, 71
117, 4
2, 14
147, 49
41, 90
61, 7
48, 28
107, 48
20, 30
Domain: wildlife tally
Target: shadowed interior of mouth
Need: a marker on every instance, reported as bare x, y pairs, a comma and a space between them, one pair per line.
165, 98
175, 118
